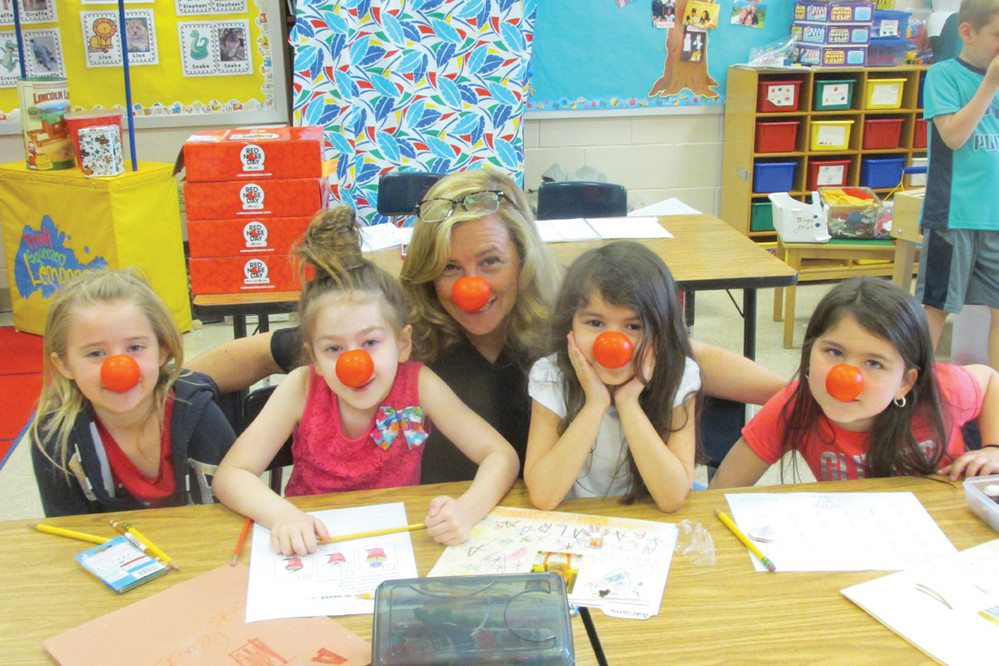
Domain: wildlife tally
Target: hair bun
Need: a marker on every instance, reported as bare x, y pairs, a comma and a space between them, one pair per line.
331, 244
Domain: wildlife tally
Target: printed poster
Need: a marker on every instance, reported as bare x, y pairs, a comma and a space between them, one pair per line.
43, 52
10, 61
215, 48
30, 11
102, 38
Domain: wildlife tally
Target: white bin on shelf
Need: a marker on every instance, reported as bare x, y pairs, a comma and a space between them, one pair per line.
797, 221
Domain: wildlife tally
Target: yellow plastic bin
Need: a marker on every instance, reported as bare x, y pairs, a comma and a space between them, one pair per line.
830, 134
884, 93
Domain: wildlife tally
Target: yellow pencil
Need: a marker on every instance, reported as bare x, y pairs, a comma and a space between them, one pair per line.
152, 548
363, 535
72, 534
734, 529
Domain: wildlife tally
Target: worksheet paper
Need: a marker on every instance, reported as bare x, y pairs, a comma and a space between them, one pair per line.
339, 578
840, 531
600, 228
948, 608
619, 565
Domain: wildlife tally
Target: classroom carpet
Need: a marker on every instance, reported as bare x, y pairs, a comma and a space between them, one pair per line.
20, 383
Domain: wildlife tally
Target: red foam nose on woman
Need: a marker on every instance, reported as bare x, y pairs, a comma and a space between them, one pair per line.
471, 293
120, 373
844, 382
612, 349
355, 367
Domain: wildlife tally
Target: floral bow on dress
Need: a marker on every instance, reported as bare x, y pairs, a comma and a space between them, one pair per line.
389, 422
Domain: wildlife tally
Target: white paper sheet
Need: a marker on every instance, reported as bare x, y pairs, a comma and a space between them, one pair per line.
597, 228
567, 230
621, 564
382, 236
328, 581
948, 608
840, 531
670, 206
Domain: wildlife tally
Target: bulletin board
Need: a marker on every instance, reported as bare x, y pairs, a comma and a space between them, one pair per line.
611, 54
190, 61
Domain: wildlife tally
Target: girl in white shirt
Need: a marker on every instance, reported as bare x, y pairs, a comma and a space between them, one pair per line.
604, 421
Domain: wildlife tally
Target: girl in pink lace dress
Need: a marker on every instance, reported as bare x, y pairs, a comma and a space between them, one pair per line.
360, 410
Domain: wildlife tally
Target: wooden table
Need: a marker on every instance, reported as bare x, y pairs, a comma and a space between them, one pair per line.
725, 613
905, 231
705, 253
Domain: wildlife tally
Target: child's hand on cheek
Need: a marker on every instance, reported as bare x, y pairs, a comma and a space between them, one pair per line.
593, 387
632, 389
447, 521
295, 533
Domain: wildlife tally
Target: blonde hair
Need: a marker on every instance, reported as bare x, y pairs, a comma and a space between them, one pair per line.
61, 401
978, 13
430, 249
330, 262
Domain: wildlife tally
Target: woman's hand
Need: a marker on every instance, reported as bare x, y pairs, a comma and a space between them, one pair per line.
447, 521
296, 532
594, 389
981, 462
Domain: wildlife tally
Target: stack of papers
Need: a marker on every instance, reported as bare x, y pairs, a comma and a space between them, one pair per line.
597, 228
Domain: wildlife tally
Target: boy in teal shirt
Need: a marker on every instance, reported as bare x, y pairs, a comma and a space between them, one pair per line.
959, 263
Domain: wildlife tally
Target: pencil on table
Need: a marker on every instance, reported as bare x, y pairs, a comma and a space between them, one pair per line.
72, 534
364, 535
150, 547
239, 544
734, 529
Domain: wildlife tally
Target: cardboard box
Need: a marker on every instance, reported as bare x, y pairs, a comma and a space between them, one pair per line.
302, 197
244, 153
831, 33
832, 56
835, 12
235, 275
242, 237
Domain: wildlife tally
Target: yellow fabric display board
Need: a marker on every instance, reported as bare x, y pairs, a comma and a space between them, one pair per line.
59, 223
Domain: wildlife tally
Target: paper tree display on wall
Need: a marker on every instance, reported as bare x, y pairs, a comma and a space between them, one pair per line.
435, 86
686, 63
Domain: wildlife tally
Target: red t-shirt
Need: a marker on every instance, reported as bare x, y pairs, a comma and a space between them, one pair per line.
127, 476
844, 454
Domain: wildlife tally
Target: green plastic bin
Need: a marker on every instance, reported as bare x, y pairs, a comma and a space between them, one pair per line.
761, 216
833, 94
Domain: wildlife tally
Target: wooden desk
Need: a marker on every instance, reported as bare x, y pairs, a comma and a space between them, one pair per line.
827, 261
705, 253
905, 231
726, 613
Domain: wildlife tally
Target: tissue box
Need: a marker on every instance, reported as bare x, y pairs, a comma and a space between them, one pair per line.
255, 153
854, 221
981, 504
796, 221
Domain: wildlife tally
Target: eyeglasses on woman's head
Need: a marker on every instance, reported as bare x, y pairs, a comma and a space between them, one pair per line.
440, 209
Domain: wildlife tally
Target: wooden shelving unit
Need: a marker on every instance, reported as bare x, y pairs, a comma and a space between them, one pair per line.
741, 116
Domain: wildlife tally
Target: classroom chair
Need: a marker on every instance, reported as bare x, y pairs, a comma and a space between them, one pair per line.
400, 191
577, 198
721, 427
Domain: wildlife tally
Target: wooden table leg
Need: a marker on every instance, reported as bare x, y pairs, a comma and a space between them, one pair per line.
794, 261
905, 254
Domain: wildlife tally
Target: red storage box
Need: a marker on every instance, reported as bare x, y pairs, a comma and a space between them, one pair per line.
882, 133
778, 136
303, 197
778, 96
241, 237
255, 153
234, 275
920, 135
827, 173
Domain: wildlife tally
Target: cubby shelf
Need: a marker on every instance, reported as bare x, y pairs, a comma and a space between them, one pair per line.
742, 157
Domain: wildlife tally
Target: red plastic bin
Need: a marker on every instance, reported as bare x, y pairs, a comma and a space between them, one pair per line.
778, 96
882, 133
827, 173
920, 135
777, 136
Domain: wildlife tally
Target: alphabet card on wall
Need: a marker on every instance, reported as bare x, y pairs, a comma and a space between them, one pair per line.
619, 565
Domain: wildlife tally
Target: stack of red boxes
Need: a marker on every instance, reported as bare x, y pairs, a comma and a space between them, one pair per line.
250, 193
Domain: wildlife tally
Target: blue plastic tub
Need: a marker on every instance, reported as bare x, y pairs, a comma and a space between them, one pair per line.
881, 172
773, 176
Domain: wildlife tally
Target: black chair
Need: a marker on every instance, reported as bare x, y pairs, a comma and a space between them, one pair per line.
400, 191
721, 427
252, 404
578, 198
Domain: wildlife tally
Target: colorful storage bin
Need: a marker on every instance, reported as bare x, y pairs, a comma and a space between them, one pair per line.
777, 176
778, 96
831, 56
827, 173
883, 93
833, 94
830, 134
920, 134
881, 172
761, 217
888, 51
890, 23
882, 133
777, 136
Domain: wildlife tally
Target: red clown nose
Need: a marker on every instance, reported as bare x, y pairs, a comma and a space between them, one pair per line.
354, 368
119, 373
844, 382
612, 349
471, 293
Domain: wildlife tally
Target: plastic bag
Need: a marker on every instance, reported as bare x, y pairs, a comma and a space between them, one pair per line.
695, 543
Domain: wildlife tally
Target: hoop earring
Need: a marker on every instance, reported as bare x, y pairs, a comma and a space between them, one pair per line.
807, 370
899, 402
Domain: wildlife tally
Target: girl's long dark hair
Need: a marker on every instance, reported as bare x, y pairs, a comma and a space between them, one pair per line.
888, 312
630, 275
